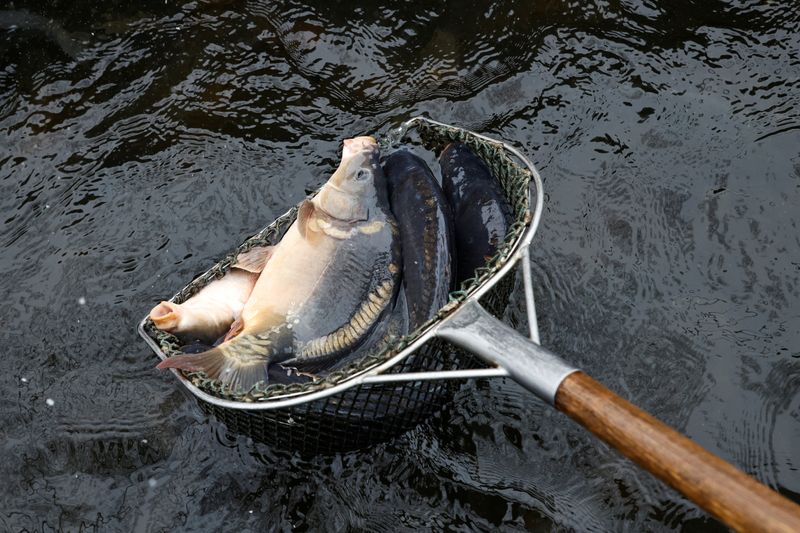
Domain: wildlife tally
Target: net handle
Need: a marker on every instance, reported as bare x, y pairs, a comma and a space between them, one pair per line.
716, 486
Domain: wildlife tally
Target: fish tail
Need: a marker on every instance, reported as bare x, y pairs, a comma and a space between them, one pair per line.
236, 371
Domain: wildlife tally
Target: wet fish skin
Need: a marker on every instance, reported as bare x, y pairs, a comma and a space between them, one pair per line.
481, 213
328, 282
392, 326
346, 205
426, 233
207, 315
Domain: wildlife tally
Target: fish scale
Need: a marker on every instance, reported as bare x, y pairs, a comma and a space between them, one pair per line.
372, 290
426, 232
348, 336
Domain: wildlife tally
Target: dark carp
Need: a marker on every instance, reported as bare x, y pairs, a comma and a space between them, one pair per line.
481, 213
327, 283
426, 233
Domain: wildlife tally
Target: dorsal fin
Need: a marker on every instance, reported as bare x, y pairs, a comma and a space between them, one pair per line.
254, 260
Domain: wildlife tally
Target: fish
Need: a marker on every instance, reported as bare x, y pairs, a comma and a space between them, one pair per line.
208, 315
426, 234
384, 336
481, 212
22, 19
327, 284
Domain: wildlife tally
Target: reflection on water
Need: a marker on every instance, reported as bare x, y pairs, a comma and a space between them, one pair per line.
667, 265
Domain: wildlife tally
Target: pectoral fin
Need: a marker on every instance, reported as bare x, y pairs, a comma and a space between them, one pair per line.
235, 329
304, 216
254, 260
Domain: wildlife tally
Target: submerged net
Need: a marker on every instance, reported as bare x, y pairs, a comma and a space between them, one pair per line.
364, 414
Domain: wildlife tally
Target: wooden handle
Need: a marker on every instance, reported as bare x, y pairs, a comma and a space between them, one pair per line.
722, 490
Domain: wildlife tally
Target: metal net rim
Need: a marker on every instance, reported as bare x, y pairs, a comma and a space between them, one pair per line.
519, 236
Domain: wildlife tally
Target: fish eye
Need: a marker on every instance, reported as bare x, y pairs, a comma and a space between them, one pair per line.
363, 174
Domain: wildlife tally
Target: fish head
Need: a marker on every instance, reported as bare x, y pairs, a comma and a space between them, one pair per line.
357, 185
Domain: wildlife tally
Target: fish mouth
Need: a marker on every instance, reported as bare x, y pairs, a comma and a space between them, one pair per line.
358, 144
165, 315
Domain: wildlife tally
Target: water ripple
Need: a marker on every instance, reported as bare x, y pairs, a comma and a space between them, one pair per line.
666, 264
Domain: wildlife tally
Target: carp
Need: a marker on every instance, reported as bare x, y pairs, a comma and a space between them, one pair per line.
207, 315
481, 213
327, 283
426, 233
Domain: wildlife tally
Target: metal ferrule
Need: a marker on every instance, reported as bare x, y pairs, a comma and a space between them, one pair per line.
472, 328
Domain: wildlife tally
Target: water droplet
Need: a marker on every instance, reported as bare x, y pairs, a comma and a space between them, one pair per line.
50, 402
24, 380
82, 301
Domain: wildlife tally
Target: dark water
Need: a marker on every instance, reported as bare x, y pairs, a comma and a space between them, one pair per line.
667, 264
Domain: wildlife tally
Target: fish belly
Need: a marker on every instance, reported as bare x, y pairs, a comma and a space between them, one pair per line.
208, 314
287, 281
350, 298
213, 309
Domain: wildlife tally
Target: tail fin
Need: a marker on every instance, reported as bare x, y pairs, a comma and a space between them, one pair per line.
237, 369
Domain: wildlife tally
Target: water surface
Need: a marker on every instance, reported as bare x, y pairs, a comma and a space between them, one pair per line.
667, 263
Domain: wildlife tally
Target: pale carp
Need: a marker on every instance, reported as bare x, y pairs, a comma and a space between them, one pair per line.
208, 315
426, 234
328, 282
480, 210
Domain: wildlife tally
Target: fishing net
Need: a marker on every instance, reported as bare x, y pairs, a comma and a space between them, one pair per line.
365, 413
